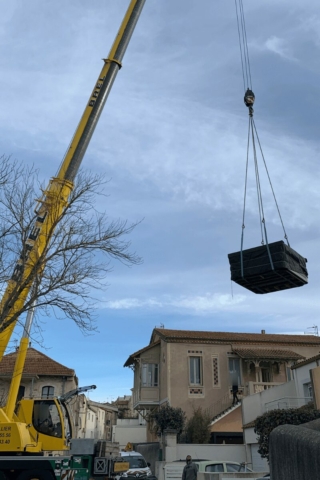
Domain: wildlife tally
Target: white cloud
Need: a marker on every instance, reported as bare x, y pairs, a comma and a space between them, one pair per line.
130, 303
207, 303
274, 44
280, 47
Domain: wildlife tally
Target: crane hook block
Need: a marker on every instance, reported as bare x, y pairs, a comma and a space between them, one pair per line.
249, 98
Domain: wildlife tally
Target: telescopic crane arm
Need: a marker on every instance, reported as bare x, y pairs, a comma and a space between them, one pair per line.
55, 197
50, 207
67, 396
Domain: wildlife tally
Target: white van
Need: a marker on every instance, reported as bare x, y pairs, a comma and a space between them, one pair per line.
138, 466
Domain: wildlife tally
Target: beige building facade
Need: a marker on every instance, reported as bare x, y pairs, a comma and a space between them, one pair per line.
93, 419
42, 376
191, 369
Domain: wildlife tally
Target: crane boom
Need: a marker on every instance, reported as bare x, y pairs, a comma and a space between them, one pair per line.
27, 434
90, 117
55, 197
72, 393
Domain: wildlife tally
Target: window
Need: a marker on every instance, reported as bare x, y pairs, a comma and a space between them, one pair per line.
266, 372
46, 418
195, 370
231, 467
307, 390
266, 375
236, 467
134, 461
47, 392
149, 375
215, 467
234, 371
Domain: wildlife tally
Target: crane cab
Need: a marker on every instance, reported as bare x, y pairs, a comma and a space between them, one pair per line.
47, 424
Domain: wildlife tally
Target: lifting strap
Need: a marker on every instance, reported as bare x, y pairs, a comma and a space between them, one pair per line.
253, 139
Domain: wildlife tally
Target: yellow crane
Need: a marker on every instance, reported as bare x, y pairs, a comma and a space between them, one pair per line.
21, 434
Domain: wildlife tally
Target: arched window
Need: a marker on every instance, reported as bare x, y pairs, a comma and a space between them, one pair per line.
47, 392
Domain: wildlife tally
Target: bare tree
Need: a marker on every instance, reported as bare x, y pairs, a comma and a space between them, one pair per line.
77, 258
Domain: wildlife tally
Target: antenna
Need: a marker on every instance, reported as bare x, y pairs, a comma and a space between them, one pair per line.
315, 330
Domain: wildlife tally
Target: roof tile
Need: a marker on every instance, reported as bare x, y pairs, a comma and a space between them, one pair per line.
259, 339
136, 354
188, 336
268, 354
305, 362
36, 364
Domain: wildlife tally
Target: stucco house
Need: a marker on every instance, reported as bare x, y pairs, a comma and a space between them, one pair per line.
42, 376
303, 373
191, 369
45, 378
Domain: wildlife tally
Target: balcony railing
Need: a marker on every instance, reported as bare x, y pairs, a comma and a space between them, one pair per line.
257, 387
223, 404
135, 397
145, 396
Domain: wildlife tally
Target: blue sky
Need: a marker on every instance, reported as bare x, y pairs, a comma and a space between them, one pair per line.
172, 141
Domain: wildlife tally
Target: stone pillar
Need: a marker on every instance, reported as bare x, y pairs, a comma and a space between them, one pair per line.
169, 441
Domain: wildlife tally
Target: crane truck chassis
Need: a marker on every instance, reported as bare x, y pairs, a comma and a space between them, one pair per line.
35, 433
75, 465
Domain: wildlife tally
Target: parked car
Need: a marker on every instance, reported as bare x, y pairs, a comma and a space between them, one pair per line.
174, 469
215, 466
266, 477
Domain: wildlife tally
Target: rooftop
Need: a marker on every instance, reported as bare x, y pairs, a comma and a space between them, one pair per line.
308, 360
134, 355
265, 340
267, 354
36, 364
188, 336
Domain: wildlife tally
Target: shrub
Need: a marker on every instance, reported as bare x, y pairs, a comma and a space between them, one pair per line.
169, 418
270, 420
197, 428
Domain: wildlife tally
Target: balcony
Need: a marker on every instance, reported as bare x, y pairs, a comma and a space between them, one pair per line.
257, 387
145, 398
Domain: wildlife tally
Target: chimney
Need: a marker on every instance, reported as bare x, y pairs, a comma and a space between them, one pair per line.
263, 332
